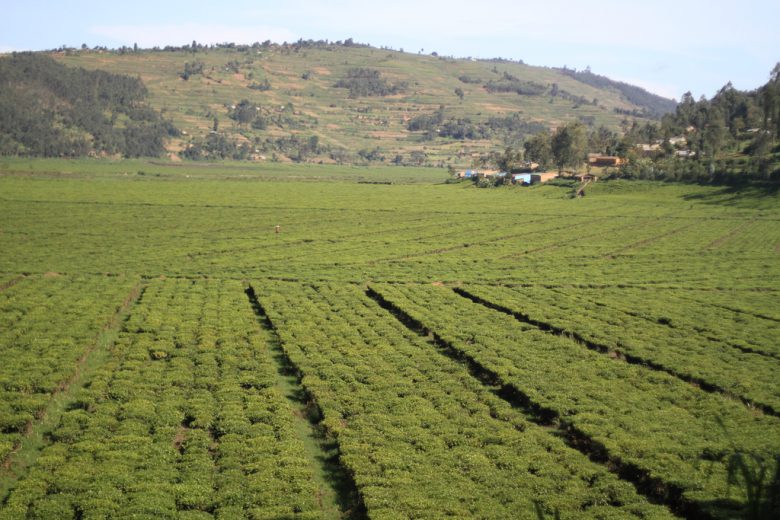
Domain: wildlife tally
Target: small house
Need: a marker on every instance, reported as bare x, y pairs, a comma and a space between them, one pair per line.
526, 167
604, 160
487, 173
648, 150
537, 178
521, 178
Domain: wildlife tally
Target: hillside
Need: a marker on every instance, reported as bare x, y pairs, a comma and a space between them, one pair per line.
48, 109
315, 101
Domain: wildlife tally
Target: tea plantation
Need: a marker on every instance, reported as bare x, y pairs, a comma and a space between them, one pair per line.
231, 341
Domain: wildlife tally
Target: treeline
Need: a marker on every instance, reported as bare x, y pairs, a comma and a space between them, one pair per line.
729, 139
199, 47
219, 146
50, 110
511, 127
655, 104
298, 148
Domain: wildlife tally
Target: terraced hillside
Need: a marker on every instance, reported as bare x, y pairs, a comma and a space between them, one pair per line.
296, 109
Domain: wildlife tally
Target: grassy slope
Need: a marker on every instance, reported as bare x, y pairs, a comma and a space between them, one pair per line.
325, 111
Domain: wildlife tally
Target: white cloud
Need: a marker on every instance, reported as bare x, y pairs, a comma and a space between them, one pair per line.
150, 35
6, 49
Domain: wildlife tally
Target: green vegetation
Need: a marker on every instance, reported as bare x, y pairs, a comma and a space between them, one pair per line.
420, 435
184, 416
745, 374
729, 139
611, 402
368, 82
238, 340
347, 103
50, 110
49, 325
353, 97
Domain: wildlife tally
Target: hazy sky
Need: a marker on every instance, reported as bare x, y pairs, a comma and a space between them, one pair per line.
668, 47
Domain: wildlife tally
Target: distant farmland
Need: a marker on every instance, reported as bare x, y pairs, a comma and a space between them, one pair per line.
304, 91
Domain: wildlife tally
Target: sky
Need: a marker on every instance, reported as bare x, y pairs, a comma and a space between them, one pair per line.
668, 47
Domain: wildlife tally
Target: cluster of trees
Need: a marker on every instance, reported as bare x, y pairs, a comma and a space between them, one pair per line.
246, 113
566, 147
217, 146
654, 104
732, 137
510, 83
555, 91
51, 110
191, 68
362, 81
468, 79
511, 127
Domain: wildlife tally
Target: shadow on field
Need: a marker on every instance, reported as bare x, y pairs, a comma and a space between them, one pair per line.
739, 196
325, 449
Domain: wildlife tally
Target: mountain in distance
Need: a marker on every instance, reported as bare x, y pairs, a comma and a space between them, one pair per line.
346, 103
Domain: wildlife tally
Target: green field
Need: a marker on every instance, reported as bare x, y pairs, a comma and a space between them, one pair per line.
402, 347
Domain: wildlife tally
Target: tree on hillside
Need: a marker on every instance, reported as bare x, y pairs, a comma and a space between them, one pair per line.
771, 102
49, 109
537, 149
568, 145
714, 133
244, 113
191, 68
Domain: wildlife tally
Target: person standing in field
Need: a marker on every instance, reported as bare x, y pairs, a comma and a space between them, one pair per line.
278, 228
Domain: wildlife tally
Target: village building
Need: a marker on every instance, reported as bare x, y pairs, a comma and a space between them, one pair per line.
526, 167
537, 178
604, 160
481, 174
521, 178
647, 149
